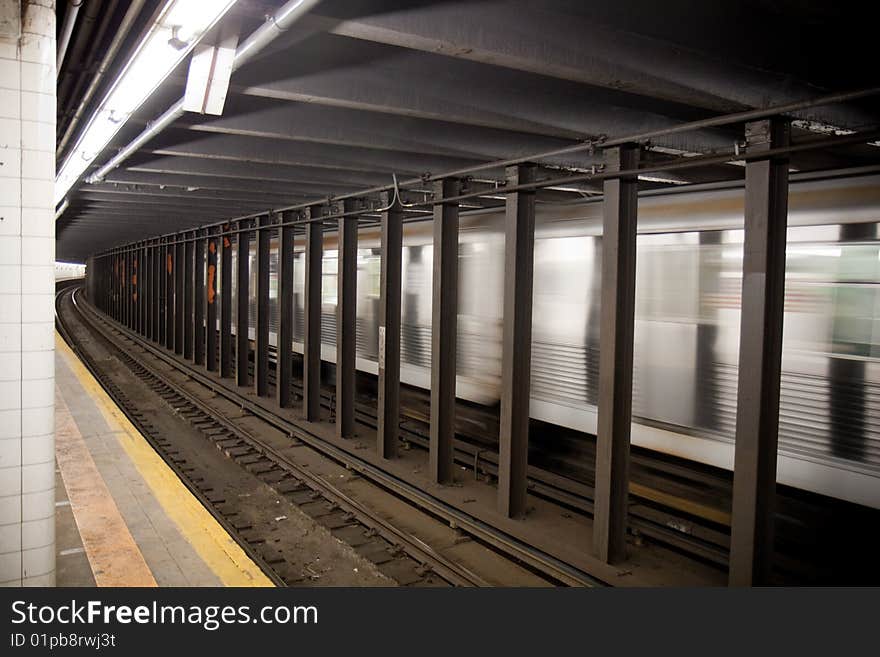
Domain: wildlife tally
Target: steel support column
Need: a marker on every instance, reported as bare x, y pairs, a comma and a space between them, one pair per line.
169, 296
126, 289
285, 314
105, 284
135, 288
179, 301
158, 291
116, 282
261, 334
103, 292
132, 270
140, 288
391, 248
226, 305
198, 329
211, 299
116, 267
114, 286
150, 301
129, 298
132, 291
444, 316
117, 301
96, 278
243, 305
108, 285
760, 356
346, 320
188, 290
120, 288
516, 345
114, 275
312, 324
111, 285
133, 323
123, 290
620, 217
135, 273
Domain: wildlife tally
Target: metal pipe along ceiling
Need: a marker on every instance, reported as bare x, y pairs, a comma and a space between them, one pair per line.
66, 31
131, 15
250, 48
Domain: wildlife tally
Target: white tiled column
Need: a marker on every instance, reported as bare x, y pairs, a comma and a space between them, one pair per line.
27, 255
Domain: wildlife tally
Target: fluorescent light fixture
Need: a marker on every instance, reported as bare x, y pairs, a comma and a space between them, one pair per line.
61, 209
178, 28
663, 179
207, 83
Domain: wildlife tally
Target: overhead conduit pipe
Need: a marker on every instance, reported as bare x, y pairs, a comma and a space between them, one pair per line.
247, 50
92, 31
66, 30
134, 9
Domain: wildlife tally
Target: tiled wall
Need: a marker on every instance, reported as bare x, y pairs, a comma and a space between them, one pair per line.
27, 256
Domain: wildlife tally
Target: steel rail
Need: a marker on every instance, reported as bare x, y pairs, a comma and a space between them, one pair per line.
444, 567
535, 558
199, 495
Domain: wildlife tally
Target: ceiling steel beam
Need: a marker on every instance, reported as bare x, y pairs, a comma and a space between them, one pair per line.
104, 200
280, 173
153, 190
111, 211
345, 127
581, 50
213, 182
348, 73
325, 156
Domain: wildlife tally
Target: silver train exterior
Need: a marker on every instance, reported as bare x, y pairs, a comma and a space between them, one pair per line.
689, 274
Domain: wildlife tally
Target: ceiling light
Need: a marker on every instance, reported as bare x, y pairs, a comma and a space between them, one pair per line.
179, 27
175, 41
662, 179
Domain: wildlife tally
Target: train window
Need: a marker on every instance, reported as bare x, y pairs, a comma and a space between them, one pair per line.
855, 300
560, 307
667, 277
329, 277
273, 275
374, 273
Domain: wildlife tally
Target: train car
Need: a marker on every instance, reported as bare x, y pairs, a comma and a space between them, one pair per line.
68, 270
689, 276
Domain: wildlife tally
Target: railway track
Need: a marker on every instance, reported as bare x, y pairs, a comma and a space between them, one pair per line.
673, 504
680, 504
683, 506
396, 553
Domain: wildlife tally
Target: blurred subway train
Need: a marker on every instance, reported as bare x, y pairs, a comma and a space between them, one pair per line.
689, 276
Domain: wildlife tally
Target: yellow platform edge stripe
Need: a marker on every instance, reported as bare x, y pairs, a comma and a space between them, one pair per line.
208, 538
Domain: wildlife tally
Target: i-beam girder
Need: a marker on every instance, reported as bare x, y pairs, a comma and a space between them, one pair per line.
167, 289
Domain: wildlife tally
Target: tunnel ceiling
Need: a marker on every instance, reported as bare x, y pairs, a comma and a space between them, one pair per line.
359, 90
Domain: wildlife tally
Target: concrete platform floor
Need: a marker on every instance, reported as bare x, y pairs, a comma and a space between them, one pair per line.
122, 516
